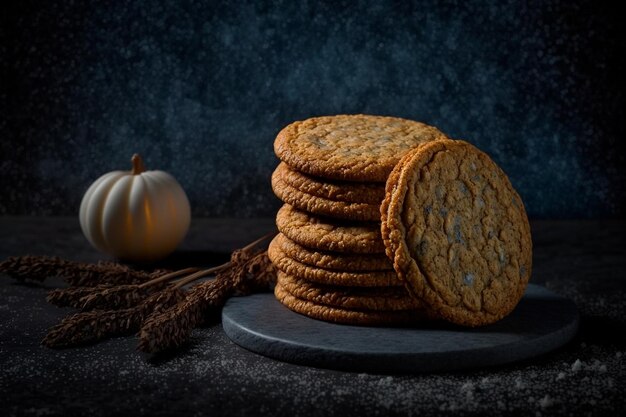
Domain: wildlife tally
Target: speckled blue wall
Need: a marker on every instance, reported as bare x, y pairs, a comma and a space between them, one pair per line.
200, 89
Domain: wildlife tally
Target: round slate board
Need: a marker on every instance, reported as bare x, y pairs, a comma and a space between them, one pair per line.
541, 322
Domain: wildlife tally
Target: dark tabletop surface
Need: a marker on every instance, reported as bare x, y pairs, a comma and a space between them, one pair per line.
582, 260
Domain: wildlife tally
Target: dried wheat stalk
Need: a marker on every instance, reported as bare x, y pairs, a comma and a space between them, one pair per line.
251, 271
117, 300
78, 274
91, 326
70, 297
109, 297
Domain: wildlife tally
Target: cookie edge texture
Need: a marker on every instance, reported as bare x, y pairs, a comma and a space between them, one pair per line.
333, 260
354, 298
322, 206
347, 192
345, 316
334, 241
329, 277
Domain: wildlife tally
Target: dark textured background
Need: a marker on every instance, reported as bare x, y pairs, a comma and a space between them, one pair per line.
201, 89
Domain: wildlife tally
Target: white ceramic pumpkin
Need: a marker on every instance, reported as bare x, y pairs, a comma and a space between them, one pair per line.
135, 215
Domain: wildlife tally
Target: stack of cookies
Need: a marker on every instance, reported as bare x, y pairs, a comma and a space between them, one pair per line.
330, 253
387, 221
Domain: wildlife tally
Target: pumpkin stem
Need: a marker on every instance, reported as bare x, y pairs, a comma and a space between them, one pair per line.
138, 166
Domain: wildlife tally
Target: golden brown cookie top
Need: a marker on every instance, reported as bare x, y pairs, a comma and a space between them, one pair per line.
350, 147
458, 232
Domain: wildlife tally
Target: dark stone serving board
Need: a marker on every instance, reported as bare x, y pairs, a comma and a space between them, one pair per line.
541, 322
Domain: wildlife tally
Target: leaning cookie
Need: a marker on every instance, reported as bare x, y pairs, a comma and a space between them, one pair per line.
316, 232
346, 316
458, 233
326, 276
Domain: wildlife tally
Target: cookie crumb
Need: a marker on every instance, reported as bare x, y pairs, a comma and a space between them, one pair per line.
546, 402
577, 366
468, 389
